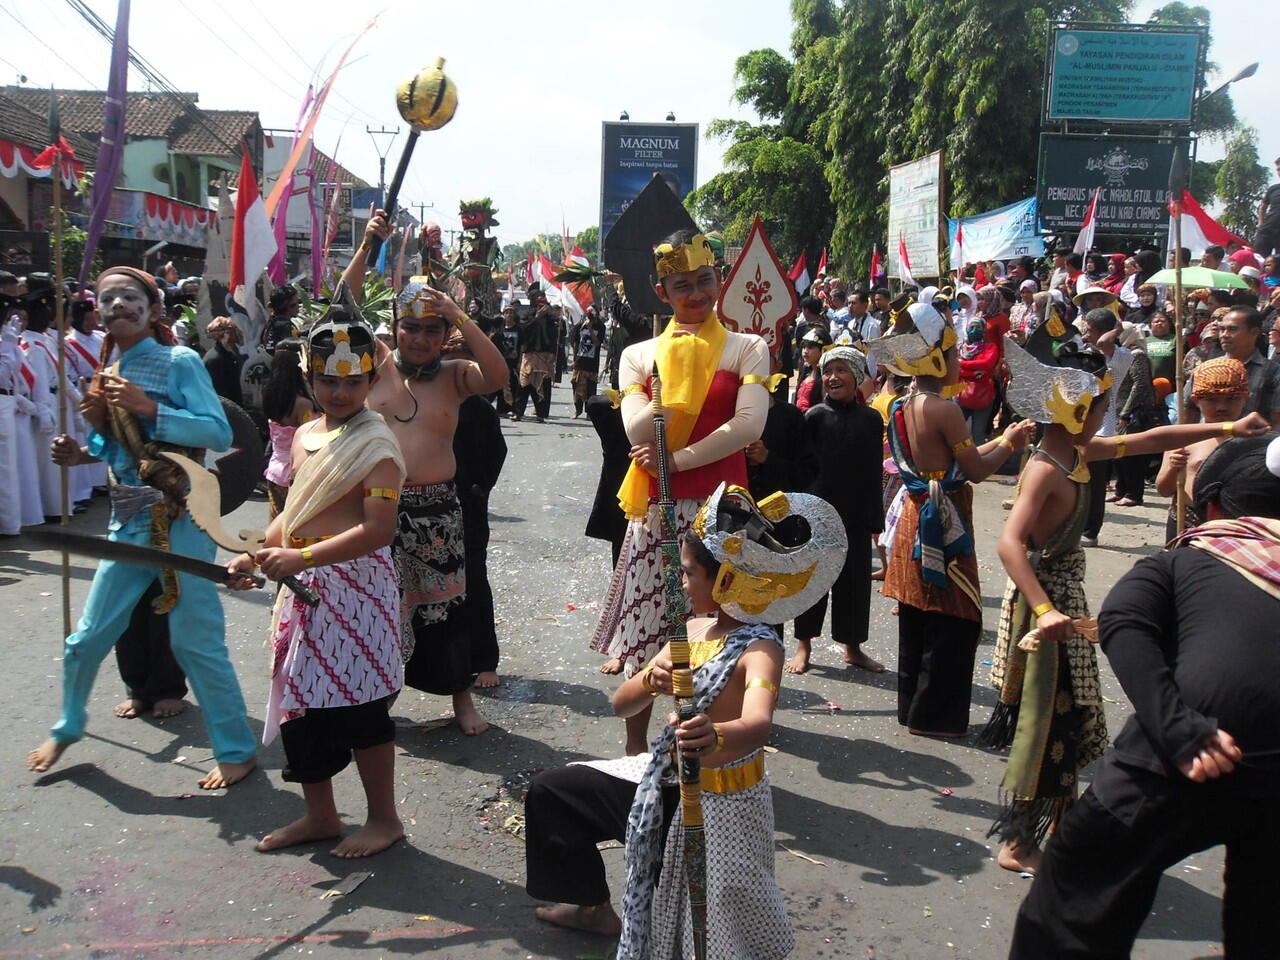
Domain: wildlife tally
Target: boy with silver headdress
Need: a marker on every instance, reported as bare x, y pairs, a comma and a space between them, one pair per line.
932, 570
336, 667
736, 566
1045, 668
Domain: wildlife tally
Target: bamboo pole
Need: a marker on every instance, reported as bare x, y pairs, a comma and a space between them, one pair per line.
60, 315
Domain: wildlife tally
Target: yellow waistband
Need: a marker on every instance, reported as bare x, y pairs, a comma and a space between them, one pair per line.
733, 779
299, 542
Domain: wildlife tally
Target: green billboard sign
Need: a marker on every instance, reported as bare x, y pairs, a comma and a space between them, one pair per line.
1124, 74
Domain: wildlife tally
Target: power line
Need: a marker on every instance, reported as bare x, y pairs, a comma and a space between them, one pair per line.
38, 40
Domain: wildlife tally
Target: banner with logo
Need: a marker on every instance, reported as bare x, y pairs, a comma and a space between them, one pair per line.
1009, 231
631, 153
1132, 172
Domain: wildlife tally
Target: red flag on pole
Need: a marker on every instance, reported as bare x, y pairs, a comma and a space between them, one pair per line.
799, 274
253, 243
1090, 226
822, 264
904, 264
876, 267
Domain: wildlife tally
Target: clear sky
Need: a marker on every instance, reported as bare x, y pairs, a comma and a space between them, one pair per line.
535, 79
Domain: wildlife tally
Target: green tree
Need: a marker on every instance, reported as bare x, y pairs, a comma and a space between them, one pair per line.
589, 241
1216, 116
1240, 183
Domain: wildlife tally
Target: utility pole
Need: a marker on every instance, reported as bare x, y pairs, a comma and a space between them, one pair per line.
422, 207
382, 152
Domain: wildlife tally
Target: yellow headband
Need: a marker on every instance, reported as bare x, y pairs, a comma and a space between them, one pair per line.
683, 258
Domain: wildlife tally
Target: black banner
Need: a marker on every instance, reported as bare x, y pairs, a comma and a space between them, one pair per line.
1133, 174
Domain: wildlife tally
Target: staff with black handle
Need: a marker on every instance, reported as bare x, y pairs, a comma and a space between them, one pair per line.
695, 842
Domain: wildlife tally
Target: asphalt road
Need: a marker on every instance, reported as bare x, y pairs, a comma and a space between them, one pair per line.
881, 846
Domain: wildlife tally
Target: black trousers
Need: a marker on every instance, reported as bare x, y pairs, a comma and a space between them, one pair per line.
1099, 475
1131, 476
935, 669
1100, 871
147, 665
850, 597
566, 813
479, 603
541, 400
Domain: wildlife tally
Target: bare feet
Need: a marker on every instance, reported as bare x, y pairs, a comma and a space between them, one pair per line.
486, 679
225, 774
374, 837
305, 830
800, 662
609, 666
878, 575
856, 658
1019, 858
601, 920
46, 755
466, 714
128, 709
162, 709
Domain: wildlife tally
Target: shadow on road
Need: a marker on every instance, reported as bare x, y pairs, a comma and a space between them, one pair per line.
44, 893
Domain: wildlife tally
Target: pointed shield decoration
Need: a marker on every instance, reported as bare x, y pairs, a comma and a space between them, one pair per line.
757, 297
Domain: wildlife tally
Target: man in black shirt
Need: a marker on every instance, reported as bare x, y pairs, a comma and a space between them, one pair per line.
585, 342
285, 305
1198, 764
1267, 240
507, 337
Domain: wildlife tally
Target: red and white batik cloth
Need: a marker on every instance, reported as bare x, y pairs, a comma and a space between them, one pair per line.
633, 622
344, 652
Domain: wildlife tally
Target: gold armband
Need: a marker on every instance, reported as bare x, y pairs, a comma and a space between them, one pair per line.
1006, 441
719, 736
1040, 609
382, 493
764, 682
964, 444
634, 388
1229, 428
307, 559
1120, 447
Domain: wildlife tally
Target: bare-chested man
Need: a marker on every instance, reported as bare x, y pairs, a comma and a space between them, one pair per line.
419, 393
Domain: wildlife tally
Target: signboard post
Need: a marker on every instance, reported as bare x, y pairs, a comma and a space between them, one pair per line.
631, 153
1123, 73
915, 212
1132, 172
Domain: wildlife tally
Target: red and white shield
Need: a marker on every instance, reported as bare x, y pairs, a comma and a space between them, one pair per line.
757, 297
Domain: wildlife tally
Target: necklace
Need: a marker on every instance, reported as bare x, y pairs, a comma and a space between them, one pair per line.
313, 441
425, 372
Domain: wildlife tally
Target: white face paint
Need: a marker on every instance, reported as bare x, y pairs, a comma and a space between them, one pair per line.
124, 308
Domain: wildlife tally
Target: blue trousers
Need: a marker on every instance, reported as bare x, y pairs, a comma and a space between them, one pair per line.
198, 638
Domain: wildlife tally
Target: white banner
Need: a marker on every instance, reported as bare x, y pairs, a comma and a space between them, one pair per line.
915, 212
1009, 231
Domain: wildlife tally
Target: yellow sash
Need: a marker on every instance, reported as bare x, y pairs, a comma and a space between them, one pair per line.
686, 364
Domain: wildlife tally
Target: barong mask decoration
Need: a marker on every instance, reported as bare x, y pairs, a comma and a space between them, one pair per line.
761, 580
340, 343
684, 257
1046, 392
919, 352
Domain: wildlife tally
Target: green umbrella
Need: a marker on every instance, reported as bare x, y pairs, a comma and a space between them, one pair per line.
1196, 277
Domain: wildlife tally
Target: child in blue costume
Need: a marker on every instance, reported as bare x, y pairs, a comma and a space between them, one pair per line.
156, 396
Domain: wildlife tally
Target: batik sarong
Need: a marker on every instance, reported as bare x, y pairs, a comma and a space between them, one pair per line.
342, 653
633, 622
430, 561
746, 916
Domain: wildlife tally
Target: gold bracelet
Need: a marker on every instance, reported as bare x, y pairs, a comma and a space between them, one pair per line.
719, 736
364, 247
1006, 441
1040, 609
1120, 447
382, 493
1228, 428
307, 559
646, 681
461, 321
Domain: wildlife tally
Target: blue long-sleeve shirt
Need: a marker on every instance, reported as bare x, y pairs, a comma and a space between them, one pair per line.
188, 413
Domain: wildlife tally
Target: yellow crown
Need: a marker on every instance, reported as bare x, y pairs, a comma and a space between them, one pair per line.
684, 257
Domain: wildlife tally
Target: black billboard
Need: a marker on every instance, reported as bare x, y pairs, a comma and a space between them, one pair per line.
631, 153
1132, 172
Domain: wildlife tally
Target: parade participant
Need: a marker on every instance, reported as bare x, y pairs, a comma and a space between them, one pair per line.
287, 404
285, 307
34, 424
783, 458
337, 667
155, 397
738, 663
809, 391
1195, 766
716, 403
419, 393
585, 341
507, 337
933, 570
846, 437
1220, 388
10, 477
84, 347
1050, 706
224, 359
539, 337
607, 521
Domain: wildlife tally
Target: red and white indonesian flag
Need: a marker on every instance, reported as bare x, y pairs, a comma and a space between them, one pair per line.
799, 275
1089, 227
558, 292
253, 243
577, 258
822, 264
877, 268
1199, 230
904, 264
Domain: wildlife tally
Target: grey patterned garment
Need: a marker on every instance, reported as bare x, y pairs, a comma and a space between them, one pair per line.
644, 825
746, 917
